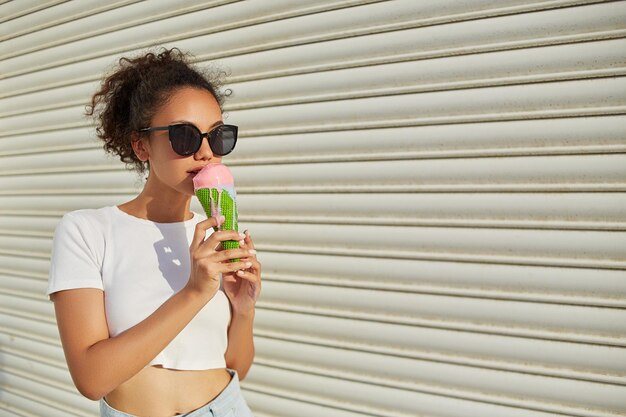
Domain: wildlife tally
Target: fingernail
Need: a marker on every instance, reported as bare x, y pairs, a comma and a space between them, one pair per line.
252, 251
248, 264
222, 219
241, 235
242, 242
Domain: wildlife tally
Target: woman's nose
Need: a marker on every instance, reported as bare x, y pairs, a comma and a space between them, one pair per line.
204, 152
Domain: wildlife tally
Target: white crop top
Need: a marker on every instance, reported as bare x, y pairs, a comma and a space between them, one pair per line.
139, 264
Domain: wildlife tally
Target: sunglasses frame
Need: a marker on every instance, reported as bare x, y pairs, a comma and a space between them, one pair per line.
210, 135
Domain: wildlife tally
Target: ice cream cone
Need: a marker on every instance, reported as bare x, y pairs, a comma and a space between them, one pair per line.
215, 189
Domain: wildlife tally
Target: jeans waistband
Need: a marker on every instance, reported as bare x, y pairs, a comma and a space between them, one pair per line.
226, 400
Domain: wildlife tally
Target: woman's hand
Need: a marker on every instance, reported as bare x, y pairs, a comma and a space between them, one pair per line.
243, 287
207, 263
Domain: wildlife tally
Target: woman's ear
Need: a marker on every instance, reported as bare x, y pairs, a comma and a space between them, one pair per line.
139, 147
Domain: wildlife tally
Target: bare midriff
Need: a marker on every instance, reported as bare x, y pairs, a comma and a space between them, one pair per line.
160, 392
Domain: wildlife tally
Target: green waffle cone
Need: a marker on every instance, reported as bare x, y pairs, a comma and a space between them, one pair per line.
228, 209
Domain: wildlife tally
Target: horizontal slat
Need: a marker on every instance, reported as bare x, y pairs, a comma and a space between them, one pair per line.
422, 388
480, 384
117, 180
34, 226
93, 157
21, 286
76, 95
76, 149
371, 399
522, 137
483, 350
501, 282
27, 307
555, 173
561, 62
465, 313
55, 207
592, 362
408, 372
543, 100
16, 9
52, 373
43, 397
43, 328
549, 27
438, 338
273, 405
582, 211
51, 16
277, 57
566, 210
21, 403
513, 246
419, 309
504, 282
485, 327
12, 409
576, 286
510, 246
528, 210
215, 21
70, 21
49, 351
541, 173
122, 17
35, 267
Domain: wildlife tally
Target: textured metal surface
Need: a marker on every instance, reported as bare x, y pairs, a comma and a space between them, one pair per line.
437, 191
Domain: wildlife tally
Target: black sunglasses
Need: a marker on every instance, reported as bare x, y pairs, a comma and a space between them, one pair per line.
187, 138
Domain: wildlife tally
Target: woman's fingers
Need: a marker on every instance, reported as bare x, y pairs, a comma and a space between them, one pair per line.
213, 242
248, 240
250, 245
200, 232
238, 267
256, 264
225, 255
248, 275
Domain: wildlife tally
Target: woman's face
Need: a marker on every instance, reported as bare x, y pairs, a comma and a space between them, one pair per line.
167, 168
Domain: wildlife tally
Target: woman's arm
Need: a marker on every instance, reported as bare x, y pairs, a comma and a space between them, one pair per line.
240, 352
97, 363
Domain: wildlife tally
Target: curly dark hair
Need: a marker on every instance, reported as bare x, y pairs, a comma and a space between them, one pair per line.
132, 93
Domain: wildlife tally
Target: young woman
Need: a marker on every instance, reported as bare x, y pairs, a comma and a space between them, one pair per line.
148, 328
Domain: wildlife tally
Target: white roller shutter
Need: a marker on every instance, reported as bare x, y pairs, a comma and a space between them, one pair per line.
436, 190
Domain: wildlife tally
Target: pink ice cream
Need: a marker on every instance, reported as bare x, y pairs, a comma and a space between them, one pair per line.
213, 176
217, 176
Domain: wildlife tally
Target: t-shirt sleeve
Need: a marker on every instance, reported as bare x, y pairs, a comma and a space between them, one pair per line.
75, 262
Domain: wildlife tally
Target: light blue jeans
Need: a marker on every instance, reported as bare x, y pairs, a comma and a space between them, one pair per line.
229, 403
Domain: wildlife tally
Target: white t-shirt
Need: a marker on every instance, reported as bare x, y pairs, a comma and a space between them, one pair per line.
139, 264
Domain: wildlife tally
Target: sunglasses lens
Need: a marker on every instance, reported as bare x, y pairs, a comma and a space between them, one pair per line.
223, 140
185, 139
